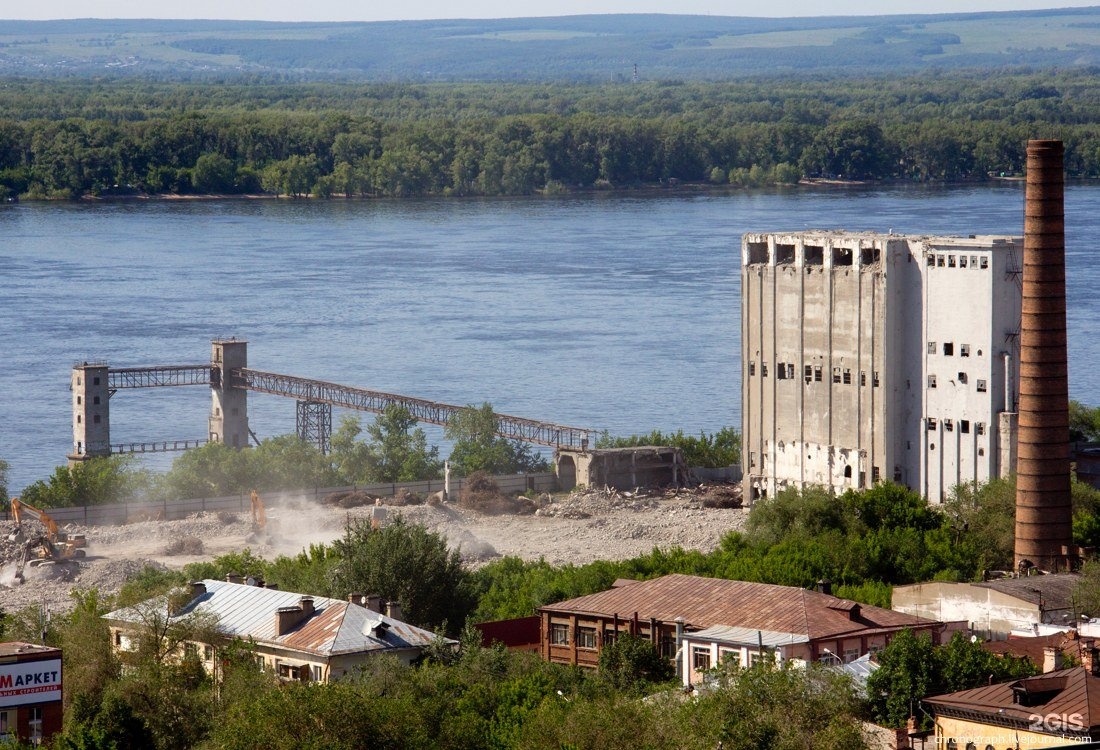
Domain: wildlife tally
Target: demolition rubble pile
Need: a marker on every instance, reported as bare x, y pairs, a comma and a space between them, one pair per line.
579, 527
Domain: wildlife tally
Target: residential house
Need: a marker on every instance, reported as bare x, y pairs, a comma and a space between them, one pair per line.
708, 620
1051, 710
297, 636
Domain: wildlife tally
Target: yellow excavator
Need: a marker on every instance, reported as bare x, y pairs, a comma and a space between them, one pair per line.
56, 544
260, 531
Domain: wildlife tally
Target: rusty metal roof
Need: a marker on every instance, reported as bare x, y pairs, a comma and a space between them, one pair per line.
335, 627
706, 602
1065, 693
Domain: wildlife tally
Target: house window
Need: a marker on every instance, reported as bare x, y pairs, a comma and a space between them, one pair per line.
95, 399
318, 673
850, 655
964, 426
4, 726
863, 378
931, 381
979, 428
817, 373
208, 653
781, 371
874, 475
931, 260
559, 634
95, 381
666, 647
754, 658
808, 373
752, 368
962, 261
874, 379
35, 725
948, 348
729, 654
931, 424
763, 369
948, 425
847, 377
790, 372
973, 261
836, 374
609, 636
586, 638
78, 400
700, 658
939, 261
964, 350
985, 262
931, 347
96, 419
962, 377
950, 261
981, 386
191, 651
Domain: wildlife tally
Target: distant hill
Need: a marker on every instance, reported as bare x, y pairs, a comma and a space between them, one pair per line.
577, 48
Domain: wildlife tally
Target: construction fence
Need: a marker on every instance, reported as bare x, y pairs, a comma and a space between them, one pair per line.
169, 510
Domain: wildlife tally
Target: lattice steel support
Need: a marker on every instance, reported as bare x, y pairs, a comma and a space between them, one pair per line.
314, 424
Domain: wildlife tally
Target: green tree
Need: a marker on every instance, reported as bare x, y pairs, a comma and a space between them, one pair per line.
96, 481
4, 468
396, 451
1084, 422
214, 173
632, 664
906, 673
479, 447
408, 564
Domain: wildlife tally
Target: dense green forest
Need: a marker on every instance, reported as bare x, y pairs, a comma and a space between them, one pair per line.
67, 139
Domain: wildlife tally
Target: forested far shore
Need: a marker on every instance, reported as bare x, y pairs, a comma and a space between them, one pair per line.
70, 139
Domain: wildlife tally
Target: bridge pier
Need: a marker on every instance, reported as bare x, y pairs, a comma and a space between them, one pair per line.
229, 407
91, 412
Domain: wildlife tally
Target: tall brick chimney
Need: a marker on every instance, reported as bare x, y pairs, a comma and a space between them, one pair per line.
1044, 524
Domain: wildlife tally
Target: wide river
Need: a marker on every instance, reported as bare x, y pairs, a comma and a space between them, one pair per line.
616, 312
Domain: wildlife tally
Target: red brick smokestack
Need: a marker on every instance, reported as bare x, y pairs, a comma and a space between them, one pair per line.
1044, 523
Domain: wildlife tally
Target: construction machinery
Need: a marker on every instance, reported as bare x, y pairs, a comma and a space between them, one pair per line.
59, 544
260, 530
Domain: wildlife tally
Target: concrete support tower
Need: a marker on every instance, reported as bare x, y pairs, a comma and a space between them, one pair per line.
229, 409
91, 412
1044, 528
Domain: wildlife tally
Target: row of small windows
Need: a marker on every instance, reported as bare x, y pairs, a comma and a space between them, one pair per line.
949, 349
812, 255
963, 379
95, 419
941, 260
813, 373
80, 400
949, 426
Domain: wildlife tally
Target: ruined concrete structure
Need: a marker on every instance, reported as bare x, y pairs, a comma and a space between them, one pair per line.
878, 356
621, 468
1044, 516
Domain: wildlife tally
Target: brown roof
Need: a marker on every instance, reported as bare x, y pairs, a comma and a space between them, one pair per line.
1069, 643
705, 602
1067, 692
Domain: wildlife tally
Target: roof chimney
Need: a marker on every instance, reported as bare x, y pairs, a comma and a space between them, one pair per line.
1043, 510
825, 586
234, 578
1090, 660
198, 588
1052, 659
393, 610
288, 618
373, 602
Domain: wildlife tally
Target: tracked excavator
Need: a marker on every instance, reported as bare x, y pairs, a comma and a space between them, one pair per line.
52, 547
260, 531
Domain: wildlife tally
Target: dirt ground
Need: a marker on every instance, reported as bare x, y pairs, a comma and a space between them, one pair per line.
576, 528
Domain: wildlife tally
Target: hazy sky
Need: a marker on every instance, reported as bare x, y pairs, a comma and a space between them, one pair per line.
387, 10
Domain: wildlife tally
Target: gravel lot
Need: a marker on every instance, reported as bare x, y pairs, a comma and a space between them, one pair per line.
578, 528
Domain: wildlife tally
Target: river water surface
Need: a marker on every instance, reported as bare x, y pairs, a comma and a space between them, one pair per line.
617, 312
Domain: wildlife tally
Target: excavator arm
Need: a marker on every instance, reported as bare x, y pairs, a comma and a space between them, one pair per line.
259, 513
20, 508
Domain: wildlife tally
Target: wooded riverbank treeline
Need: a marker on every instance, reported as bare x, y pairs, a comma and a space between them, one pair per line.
68, 139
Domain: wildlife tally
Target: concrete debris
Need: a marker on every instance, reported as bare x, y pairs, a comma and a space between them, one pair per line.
577, 528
